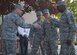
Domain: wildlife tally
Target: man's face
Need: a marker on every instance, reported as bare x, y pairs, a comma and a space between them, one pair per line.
20, 12
39, 16
61, 8
46, 15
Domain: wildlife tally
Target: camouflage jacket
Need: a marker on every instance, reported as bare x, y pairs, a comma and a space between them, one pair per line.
10, 25
67, 26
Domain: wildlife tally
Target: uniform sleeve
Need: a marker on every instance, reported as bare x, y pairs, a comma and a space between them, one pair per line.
55, 22
43, 28
20, 22
31, 33
71, 23
72, 27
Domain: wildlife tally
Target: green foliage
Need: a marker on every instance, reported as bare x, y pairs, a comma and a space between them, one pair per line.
58, 15
73, 8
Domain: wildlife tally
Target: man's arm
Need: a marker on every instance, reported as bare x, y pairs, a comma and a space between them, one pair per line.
71, 22
20, 22
72, 28
55, 22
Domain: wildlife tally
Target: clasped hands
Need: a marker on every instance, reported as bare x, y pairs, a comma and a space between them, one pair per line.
37, 26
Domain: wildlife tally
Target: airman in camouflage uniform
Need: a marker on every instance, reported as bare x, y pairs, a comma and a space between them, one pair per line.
9, 30
50, 33
67, 30
37, 35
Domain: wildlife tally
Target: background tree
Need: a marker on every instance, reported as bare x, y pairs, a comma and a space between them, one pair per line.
72, 6
7, 6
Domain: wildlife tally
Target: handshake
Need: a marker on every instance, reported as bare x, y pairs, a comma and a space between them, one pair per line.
36, 25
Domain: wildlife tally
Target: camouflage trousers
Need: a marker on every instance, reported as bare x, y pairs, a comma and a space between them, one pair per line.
36, 44
51, 46
67, 50
9, 47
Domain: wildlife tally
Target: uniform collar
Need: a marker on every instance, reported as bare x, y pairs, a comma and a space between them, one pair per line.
65, 12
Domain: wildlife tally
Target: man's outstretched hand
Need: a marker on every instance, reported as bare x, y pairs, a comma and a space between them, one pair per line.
69, 42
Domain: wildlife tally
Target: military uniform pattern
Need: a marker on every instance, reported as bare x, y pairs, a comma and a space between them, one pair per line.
10, 44
67, 32
51, 36
9, 32
37, 38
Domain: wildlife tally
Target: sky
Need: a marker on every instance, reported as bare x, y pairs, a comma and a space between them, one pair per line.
70, 1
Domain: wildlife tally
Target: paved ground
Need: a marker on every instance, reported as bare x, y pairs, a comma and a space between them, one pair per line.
75, 49
39, 53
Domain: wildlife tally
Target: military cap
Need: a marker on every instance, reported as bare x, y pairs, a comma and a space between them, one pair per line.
59, 3
45, 11
38, 13
19, 6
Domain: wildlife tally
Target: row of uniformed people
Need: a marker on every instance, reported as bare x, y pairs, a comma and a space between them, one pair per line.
45, 35
44, 31
47, 32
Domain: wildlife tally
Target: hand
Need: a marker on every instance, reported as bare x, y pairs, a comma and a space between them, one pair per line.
69, 42
37, 26
47, 21
76, 33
